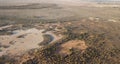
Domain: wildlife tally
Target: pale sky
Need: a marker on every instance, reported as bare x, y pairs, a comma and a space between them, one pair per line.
7, 2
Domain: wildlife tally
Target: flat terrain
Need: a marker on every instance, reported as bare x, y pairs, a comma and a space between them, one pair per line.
60, 33
54, 12
20, 42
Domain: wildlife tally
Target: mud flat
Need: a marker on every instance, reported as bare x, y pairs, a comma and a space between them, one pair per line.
20, 41
3, 27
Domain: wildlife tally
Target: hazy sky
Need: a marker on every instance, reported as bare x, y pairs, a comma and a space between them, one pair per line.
7, 2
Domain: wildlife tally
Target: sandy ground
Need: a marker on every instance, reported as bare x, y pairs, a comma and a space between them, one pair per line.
75, 44
20, 41
4, 27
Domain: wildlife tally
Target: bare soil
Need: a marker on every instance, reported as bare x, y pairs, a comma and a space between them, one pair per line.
73, 44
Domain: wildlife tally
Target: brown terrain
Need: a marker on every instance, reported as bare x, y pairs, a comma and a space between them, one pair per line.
73, 44
60, 32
